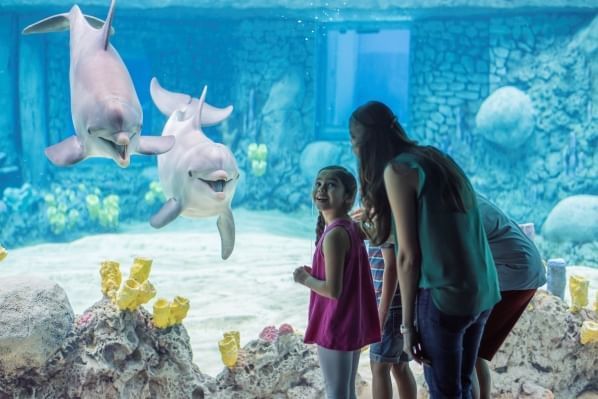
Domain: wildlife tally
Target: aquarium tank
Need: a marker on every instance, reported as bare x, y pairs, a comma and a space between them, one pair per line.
157, 160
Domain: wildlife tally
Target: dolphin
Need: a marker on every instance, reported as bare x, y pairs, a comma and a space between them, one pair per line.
106, 112
198, 176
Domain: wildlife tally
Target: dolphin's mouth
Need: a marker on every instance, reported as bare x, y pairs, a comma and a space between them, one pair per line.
216, 185
121, 150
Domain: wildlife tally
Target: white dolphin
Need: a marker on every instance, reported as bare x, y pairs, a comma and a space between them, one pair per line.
105, 109
198, 176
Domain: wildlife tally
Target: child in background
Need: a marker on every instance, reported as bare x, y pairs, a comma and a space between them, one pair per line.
342, 308
387, 355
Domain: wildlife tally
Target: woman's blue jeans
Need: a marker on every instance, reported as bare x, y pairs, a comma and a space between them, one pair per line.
451, 344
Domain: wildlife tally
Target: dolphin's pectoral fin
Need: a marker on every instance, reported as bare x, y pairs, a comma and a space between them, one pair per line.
55, 23
155, 145
169, 211
226, 227
66, 153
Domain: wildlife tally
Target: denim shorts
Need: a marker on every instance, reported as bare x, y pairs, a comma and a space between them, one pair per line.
390, 349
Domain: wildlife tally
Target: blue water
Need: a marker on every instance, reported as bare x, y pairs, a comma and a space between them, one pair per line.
293, 75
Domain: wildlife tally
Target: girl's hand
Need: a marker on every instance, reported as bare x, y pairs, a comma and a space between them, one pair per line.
301, 274
412, 346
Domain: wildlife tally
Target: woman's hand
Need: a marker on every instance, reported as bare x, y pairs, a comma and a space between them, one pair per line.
382, 315
357, 215
301, 274
412, 346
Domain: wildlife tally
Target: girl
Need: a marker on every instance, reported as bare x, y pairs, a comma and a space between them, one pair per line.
343, 317
443, 256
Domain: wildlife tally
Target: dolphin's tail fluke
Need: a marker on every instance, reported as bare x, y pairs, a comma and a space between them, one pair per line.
55, 23
107, 28
169, 102
62, 22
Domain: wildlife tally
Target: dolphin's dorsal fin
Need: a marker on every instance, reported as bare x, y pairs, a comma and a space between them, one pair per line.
196, 116
106, 29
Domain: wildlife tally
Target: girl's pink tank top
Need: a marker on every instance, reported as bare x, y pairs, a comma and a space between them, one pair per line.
351, 321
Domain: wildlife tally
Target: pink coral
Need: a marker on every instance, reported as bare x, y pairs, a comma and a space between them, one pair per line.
269, 334
285, 329
84, 319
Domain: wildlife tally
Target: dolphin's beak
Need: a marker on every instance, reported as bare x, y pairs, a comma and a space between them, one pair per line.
121, 143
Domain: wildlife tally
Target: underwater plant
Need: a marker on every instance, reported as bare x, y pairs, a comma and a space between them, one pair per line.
3, 253
68, 209
257, 155
110, 212
155, 194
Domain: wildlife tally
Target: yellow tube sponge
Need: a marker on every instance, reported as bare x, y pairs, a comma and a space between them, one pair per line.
228, 351
146, 292
589, 332
161, 313
234, 335
111, 278
596, 303
141, 269
3, 253
179, 308
127, 296
578, 288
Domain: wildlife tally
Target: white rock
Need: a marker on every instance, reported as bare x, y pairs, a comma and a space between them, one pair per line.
574, 219
506, 117
35, 317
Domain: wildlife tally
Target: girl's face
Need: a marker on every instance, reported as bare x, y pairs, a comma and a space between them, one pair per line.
329, 193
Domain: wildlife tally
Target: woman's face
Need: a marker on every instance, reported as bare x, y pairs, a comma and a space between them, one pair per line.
356, 131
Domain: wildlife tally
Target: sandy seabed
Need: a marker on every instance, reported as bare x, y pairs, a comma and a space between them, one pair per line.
250, 290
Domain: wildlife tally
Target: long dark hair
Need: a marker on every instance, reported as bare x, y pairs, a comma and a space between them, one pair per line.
349, 183
380, 139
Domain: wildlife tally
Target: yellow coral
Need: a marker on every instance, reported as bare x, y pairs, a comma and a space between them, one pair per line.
162, 314
234, 335
578, 288
178, 309
111, 278
127, 296
596, 303
3, 253
141, 269
228, 351
589, 332
146, 292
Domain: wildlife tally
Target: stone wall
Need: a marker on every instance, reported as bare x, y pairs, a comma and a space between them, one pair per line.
457, 64
275, 66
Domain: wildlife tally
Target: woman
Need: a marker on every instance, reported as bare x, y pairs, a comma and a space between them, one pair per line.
443, 257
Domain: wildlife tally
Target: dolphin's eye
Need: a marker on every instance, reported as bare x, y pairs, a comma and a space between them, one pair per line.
88, 130
190, 174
